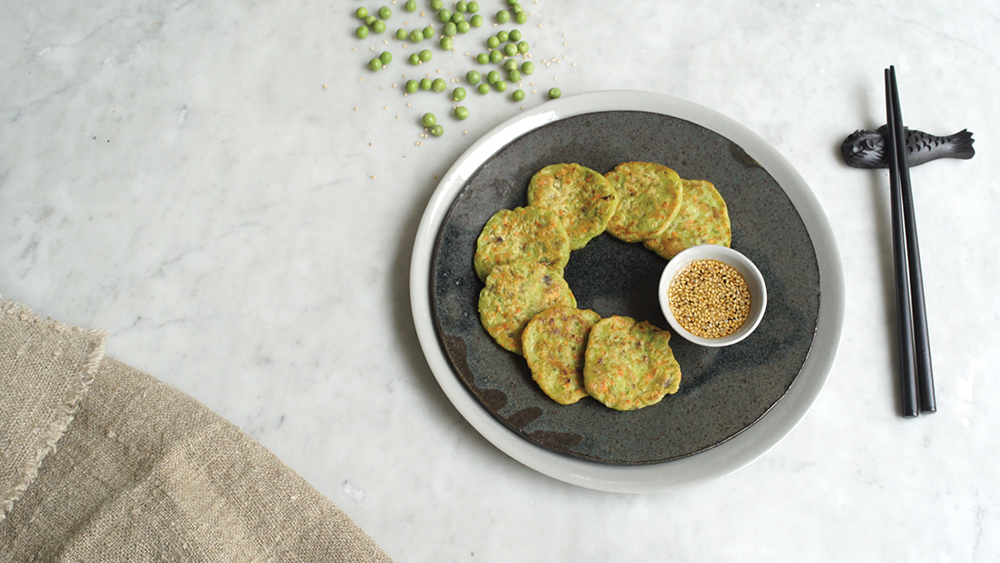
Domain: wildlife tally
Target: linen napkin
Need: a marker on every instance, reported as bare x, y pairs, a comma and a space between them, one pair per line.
102, 462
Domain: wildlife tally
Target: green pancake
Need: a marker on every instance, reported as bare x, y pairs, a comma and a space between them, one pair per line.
703, 219
522, 234
553, 343
582, 198
649, 196
514, 294
629, 365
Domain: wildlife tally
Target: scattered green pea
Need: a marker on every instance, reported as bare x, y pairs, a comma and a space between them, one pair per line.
412, 86
429, 119
517, 95
444, 15
361, 32
512, 2
450, 29
503, 16
502, 36
378, 26
447, 42
496, 56
457, 17
476, 20
414, 59
522, 17
492, 77
554, 93
527, 67
385, 57
425, 83
425, 56
501, 86
514, 35
463, 26
473, 7
517, 9
401, 34
411, 5
484, 88
493, 42
481, 58
439, 85
522, 47
370, 19
375, 64
458, 94
416, 36
362, 13
510, 49
385, 12
510, 64
462, 6
428, 32
473, 77
437, 130
514, 75
437, 4
461, 112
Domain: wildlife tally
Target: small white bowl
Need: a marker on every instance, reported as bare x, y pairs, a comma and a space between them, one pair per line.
742, 264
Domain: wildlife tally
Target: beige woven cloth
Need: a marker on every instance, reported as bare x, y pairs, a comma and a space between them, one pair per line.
101, 462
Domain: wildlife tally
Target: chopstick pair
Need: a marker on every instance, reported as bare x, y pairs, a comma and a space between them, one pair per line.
915, 352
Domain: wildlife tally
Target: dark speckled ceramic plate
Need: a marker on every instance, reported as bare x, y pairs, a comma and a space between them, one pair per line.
725, 392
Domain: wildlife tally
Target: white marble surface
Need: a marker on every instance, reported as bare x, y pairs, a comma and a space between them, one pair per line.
226, 188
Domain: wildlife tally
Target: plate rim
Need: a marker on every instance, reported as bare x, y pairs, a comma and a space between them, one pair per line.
720, 460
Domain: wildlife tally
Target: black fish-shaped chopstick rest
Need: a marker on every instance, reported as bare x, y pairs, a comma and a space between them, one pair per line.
866, 149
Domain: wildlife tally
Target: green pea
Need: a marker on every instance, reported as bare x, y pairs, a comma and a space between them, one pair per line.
512, 2
375, 64
411, 5
476, 20
444, 15
493, 42
517, 95
473, 77
447, 43
385, 57
510, 49
461, 112
414, 59
527, 67
517, 9
450, 29
416, 36
501, 86
412, 86
384, 12
428, 32
437, 130
522, 47
462, 5
514, 35
503, 16
481, 58
514, 75
493, 77
521, 17
473, 7
370, 19
554, 93
458, 94
496, 56
439, 85
378, 26
437, 4
362, 13
361, 32
425, 56
484, 88
457, 17
429, 120
502, 36
463, 27
510, 64
425, 83
401, 34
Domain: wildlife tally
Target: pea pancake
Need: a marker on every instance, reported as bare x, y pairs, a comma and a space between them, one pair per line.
514, 294
522, 234
703, 219
629, 365
582, 198
649, 197
553, 343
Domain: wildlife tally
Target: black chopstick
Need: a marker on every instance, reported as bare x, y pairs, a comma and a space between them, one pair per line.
915, 356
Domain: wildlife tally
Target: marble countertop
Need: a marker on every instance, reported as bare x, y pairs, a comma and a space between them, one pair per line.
228, 190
